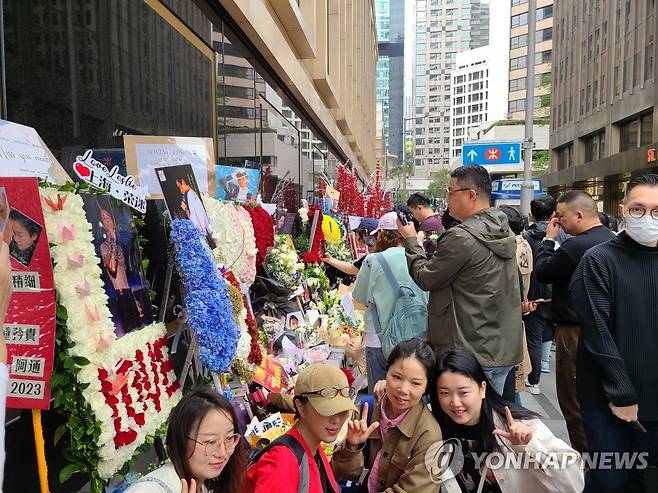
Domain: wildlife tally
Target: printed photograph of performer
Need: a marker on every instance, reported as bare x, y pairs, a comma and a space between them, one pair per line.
22, 234
115, 239
183, 199
236, 183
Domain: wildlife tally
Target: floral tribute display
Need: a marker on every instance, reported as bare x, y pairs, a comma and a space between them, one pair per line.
248, 349
332, 229
128, 382
234, 235
263, 230
314, 254
283, 266
351, 199
376, 202
209, 308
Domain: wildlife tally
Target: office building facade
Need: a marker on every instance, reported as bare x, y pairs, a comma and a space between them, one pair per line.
518, 58
442, 31
603, 121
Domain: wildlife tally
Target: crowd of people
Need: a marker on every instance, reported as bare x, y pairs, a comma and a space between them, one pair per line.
495, 292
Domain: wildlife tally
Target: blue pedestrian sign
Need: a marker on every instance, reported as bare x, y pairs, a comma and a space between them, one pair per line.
492, 153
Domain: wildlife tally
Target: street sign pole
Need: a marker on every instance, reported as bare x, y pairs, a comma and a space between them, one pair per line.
527, 190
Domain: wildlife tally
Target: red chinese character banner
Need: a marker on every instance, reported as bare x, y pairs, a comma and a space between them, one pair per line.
29, 328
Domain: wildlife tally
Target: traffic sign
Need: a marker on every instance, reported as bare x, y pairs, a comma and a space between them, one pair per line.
492, 153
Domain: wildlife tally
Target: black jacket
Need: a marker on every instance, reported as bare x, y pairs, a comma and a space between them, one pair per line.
557, 266
615, 291
538, 290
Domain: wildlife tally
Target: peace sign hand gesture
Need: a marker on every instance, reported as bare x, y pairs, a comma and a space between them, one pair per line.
358, 430
185, 489
518, 433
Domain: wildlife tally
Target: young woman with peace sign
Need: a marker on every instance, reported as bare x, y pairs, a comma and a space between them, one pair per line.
401, 431
505, 447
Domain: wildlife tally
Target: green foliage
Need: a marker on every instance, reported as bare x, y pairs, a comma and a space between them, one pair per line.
539, 162
81, 431
302, 244
545, 101
439, 184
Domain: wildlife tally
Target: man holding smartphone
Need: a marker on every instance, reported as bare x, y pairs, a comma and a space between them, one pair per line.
578, 216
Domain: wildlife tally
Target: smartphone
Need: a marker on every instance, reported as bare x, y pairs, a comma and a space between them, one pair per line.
539, 302
405, 216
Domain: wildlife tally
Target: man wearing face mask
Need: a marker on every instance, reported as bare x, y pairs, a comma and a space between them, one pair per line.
614, 290
577, 215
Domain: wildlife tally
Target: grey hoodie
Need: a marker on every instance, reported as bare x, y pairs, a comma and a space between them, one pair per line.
474, 288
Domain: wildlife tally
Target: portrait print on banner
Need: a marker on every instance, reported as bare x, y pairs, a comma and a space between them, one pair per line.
29, 328
115, 242
238, 184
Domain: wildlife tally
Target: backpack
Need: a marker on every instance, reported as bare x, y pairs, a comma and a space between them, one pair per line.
409, 317
300, 454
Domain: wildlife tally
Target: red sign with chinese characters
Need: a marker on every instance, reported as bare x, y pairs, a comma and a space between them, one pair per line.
29, 327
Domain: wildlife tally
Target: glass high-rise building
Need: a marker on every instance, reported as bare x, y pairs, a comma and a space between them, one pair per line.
390, 72
442, 30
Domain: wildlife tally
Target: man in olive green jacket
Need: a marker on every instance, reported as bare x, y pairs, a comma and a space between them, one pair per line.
473, 280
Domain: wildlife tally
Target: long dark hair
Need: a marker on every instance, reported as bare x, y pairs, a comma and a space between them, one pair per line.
461, 360
415, 348
184, 423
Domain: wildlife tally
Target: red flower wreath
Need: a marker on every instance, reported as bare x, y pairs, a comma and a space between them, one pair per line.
263, 231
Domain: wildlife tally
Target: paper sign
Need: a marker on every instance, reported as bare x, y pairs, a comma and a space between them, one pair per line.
29, 326
118, 186
271, 375
23, 153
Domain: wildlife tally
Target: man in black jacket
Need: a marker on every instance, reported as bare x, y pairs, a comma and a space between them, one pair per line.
538, 324
614, 291
578, 216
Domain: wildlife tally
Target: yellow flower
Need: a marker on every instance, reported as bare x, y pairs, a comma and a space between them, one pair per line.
331, 229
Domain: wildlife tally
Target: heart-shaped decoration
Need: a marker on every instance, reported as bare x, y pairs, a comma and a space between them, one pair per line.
82, 169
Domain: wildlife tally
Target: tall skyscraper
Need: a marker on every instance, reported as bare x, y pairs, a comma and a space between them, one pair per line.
442, 31
390, 72
518, 59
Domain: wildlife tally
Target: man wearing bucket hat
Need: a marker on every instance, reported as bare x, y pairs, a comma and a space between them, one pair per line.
295, 462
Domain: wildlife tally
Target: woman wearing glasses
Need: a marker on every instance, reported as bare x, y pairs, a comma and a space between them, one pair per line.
205, 449
402, 429
322, 404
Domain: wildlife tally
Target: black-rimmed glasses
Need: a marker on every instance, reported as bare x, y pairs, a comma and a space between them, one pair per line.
331, 392
638, 212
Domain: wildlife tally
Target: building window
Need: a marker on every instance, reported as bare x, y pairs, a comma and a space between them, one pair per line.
520, 20
517, 84
565, 157
518, 41
518, 62
594, 146
516, 105
543, 57
628, 135
544, 34
544, 13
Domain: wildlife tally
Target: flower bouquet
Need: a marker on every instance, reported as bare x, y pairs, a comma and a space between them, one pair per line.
340, 251
283, 266
315, 278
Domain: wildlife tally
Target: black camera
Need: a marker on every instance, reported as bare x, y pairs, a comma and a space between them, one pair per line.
404, 214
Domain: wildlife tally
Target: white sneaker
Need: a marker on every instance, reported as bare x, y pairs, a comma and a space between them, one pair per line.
545, 367
532, 388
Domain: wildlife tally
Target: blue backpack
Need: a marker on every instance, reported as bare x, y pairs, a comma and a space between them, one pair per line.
409, 316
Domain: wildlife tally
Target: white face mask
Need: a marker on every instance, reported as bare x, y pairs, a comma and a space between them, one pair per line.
643, 229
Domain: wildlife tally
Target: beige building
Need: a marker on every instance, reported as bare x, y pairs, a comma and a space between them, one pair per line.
603, 125
518, 59
325, 53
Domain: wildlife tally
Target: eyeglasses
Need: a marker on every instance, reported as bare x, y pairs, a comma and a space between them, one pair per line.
638, 212
459, 190
212, 446
331, 392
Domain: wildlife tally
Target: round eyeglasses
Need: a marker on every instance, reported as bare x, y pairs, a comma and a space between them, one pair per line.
638, 212
331, 392
212, 446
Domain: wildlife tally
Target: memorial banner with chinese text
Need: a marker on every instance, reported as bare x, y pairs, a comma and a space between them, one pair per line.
29, 326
